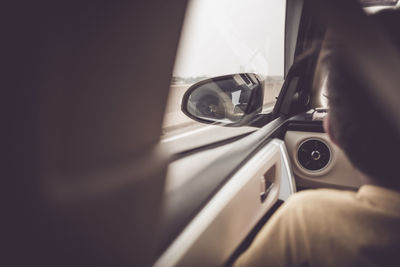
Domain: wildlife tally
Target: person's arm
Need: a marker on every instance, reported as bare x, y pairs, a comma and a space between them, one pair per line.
282, 241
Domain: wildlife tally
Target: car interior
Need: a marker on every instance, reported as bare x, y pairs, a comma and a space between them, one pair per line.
91, 183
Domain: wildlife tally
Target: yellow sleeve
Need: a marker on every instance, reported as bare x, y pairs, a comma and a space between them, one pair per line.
282, 241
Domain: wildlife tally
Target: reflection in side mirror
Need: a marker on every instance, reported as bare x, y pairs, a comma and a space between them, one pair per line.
231, 100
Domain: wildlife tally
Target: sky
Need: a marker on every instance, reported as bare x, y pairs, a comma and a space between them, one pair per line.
230, 36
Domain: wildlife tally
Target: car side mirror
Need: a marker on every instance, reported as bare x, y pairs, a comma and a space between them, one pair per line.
232, 100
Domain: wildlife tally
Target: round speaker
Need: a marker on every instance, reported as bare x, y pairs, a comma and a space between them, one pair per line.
314, 154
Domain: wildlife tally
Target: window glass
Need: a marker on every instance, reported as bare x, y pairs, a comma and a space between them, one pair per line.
221, 37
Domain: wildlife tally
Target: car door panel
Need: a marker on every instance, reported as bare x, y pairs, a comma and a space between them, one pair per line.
224, 222
181, 206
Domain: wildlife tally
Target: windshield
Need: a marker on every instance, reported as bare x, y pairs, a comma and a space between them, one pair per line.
221, 37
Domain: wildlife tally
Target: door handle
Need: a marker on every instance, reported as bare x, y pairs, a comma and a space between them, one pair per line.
267, 183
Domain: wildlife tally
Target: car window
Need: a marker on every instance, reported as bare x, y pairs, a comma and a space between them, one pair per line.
221, 37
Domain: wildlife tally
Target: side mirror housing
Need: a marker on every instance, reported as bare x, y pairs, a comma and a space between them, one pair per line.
231, 100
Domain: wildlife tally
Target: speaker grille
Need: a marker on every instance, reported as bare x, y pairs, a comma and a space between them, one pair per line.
313, 154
